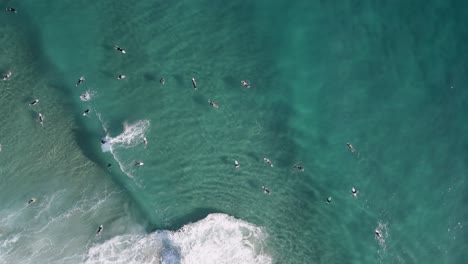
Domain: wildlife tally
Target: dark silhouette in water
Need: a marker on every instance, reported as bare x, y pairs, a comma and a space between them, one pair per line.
11, 9
82, 79
31, 201
100, 228
120, 49
34, 102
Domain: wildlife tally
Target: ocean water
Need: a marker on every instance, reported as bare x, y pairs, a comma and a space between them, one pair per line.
389, 78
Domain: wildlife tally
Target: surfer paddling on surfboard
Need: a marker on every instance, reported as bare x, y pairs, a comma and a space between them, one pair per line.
194, 83
32, 200
11, 9
213, 104
7, 76
266, 160
80, 80
244, 83
119, 49
41, 119
34, 102
100, 228
350, 147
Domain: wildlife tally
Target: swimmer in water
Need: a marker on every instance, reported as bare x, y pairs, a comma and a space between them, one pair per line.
299, 167
139, 163
108, 165
354, 192
7, 76
85, 96
329, 199
378, 234
350, 147
80, 80
11, 9
244, 83
120, 49
213, 104
145, 141
194, 83
266, 160
266, 190
34, 102
236, 164
99, 230
121, 77
162, 81
41, 119
86, 112
32, 200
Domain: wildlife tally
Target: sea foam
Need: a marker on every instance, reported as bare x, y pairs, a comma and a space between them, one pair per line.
217, 239
132, 135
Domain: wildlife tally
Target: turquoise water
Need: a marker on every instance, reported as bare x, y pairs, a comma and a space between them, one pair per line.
388, 78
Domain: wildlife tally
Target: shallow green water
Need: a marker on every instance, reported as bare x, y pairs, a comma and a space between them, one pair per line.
389, 78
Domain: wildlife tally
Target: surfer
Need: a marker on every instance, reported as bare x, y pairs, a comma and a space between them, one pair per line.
329, 199
41, 119
108, 165
299, 167
194, 83
145, 141
378, 233
120, 49
350, 147
80, 80
7, 75
245, 84
139, 163
32, 200
99, 230
103, 141
236, 164
121, 77
266, 190
85, 96
266, 160
86, 112
34, 102
162, 81
213, 104
354, 192
11, 9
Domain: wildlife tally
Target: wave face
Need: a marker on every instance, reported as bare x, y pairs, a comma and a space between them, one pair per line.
217, 239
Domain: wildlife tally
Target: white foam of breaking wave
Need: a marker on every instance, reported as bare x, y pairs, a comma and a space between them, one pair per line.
217, 239
132, 135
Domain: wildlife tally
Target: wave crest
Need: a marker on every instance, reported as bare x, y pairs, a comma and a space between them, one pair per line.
218, 238
132, 135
